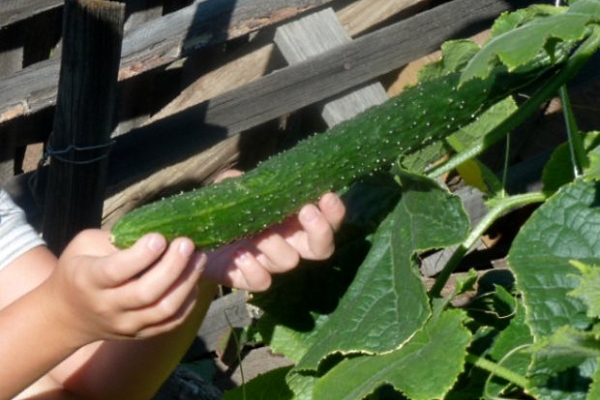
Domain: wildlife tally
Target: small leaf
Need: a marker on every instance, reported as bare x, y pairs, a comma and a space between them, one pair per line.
465, 283
594, 392
588, 289
593, 172
426, 367
559, 171
571, 344
455, 56
474, 172
509, 21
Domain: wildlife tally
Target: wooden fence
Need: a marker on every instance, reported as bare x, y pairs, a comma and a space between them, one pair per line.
203, 85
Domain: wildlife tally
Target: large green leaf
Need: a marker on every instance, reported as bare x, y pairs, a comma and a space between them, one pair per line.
268, 386
424, 368
300, 302
516, 46
565, 228
387, 302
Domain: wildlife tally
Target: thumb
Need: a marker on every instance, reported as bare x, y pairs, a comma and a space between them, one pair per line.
124, 265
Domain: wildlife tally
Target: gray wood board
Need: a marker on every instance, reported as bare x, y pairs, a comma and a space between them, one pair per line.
177, 137
12, 11
142, 151
316, 34
154, 44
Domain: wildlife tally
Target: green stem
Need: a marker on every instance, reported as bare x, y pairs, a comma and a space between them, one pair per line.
576, 146
498, 370
568, 71
496, 212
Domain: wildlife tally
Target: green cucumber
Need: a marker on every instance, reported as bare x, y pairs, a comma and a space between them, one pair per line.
241, 206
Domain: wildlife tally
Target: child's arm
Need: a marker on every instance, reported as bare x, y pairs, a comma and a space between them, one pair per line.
95, 295
97, 292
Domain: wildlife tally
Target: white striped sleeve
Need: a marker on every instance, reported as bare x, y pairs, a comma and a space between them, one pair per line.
16, 235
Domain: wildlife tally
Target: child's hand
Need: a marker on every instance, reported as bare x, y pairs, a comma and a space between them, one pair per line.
105, 293
249, 264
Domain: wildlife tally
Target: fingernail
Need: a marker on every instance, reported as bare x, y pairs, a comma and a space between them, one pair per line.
308, 214
331, 200
241, 256
186, 248
156, 243
199, 261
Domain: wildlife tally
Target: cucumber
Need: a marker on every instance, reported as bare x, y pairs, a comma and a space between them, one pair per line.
278, 187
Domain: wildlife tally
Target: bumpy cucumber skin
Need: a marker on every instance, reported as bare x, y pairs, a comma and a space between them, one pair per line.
238, 207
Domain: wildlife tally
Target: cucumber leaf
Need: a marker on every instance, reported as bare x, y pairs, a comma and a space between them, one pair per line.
588, 289
455, 56
270, 385
387, 302
570, 342
302, 385
443, 340
565, 228
559, 171
517, 44
512, 20
594, 392
509, 350
300, 302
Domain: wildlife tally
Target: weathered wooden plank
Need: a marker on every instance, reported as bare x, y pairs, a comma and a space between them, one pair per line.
243, 66
204, 23
155, 43
199, 127
361, 15
316, 34
12, 11
11, 60
225, 314
297, 86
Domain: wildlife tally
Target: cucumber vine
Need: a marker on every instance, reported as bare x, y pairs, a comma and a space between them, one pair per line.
366, 326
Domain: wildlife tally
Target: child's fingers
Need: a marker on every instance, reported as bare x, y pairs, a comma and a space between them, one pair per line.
319, 233
333, 209
236, 266
175, 268
175, 320
248, 274
226, 174
320, 224
275, 253
163, 316
123, 265
149, 310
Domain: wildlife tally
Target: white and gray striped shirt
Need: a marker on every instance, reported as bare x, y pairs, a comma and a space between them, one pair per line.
16, 235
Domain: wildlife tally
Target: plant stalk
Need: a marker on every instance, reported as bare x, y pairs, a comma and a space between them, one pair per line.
576, 146
498, 370
496, 212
